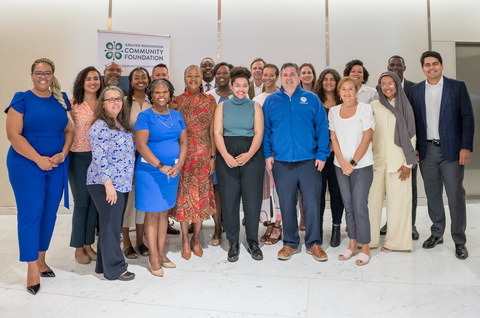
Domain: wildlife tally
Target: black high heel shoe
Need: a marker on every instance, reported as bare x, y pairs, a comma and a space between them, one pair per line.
33, 289
47, 273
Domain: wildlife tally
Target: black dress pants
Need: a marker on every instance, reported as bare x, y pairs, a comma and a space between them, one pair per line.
110, 261
244, 182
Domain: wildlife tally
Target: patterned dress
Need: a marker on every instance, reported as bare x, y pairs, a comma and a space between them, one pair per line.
196, 200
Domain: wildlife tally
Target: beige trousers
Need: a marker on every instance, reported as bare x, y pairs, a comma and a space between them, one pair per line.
132, 216
398, 197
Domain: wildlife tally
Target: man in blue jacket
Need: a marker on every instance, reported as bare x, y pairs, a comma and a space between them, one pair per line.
445, 128
296, 146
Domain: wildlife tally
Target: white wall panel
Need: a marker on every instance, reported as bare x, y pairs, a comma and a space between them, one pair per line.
278, 31
65, 32
374, 30
457, 20
191, 24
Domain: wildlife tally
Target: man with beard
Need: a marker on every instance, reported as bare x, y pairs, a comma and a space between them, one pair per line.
112, 74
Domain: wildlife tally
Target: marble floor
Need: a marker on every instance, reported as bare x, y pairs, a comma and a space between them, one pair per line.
420, 283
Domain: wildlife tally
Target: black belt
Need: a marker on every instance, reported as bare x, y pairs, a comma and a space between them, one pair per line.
436, 142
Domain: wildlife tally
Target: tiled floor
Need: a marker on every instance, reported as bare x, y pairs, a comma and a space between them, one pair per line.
421, 283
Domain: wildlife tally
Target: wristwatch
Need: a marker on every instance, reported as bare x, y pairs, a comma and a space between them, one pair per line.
160, 165
353, 163
213, 157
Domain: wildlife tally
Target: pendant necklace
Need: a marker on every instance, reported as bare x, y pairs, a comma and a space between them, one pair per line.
162, 120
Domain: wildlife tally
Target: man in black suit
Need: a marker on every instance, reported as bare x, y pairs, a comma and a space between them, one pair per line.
445, 127
396, 64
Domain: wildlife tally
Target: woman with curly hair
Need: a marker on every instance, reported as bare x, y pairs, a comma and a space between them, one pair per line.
326, 90
86, 90
359, 73
240, 164
136, 102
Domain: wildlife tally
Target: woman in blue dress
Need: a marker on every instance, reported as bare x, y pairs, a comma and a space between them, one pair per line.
41, 134
161, 139
109, 179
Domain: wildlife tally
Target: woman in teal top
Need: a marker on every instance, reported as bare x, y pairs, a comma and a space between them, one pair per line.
238, 129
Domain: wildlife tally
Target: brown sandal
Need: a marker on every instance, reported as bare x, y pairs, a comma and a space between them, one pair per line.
265, 236
270, 240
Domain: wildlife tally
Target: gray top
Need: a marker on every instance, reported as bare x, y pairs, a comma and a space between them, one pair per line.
238, 117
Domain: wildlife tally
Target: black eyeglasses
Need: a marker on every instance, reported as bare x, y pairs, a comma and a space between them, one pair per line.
40, 74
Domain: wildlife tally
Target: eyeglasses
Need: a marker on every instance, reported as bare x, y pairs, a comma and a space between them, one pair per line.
40, 74
112, 100
391, 85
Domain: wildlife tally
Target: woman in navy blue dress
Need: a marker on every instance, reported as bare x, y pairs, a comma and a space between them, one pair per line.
41, 134
161, 138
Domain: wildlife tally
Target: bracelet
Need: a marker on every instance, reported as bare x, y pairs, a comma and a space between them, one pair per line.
213, 157
63, 156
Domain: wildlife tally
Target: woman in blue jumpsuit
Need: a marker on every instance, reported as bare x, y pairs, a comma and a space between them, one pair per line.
39, 129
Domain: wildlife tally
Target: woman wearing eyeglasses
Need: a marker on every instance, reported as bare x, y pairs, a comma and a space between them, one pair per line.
393, 157
41, 133
109, 179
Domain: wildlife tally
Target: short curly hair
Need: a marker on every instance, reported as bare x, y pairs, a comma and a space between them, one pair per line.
240, 72
351, 64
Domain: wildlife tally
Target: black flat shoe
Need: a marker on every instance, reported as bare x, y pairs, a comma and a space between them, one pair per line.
233, 252
255, 251
33, 289
335, 239
48, 273
383, 230
415, 235
432, 241
461, 251
126, 276
172, 231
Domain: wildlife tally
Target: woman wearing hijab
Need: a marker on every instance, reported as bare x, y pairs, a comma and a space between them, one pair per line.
393, 158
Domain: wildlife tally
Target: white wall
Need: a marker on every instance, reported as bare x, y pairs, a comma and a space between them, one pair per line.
277, 30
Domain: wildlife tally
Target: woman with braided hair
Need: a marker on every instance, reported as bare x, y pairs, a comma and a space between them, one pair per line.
41, 132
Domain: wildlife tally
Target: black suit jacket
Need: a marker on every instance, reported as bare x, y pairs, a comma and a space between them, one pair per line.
407, 85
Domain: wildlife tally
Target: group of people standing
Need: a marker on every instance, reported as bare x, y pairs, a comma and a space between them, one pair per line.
233, 136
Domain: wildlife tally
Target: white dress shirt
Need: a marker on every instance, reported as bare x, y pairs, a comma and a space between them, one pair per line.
367, 94
433, 99
257, 89
212, 85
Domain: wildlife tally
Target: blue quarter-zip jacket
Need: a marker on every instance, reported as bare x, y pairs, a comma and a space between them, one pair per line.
296, 128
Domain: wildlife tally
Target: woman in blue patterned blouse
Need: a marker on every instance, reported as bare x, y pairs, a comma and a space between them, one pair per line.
109, 179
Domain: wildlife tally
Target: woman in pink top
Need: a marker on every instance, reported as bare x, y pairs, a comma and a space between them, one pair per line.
86, 89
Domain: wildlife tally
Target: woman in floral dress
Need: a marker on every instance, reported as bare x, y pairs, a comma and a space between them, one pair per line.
196, 200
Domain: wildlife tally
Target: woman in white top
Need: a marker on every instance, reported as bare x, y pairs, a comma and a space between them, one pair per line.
270, 213
359, 73
221, 71
136, 101
223, 92
351, 127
